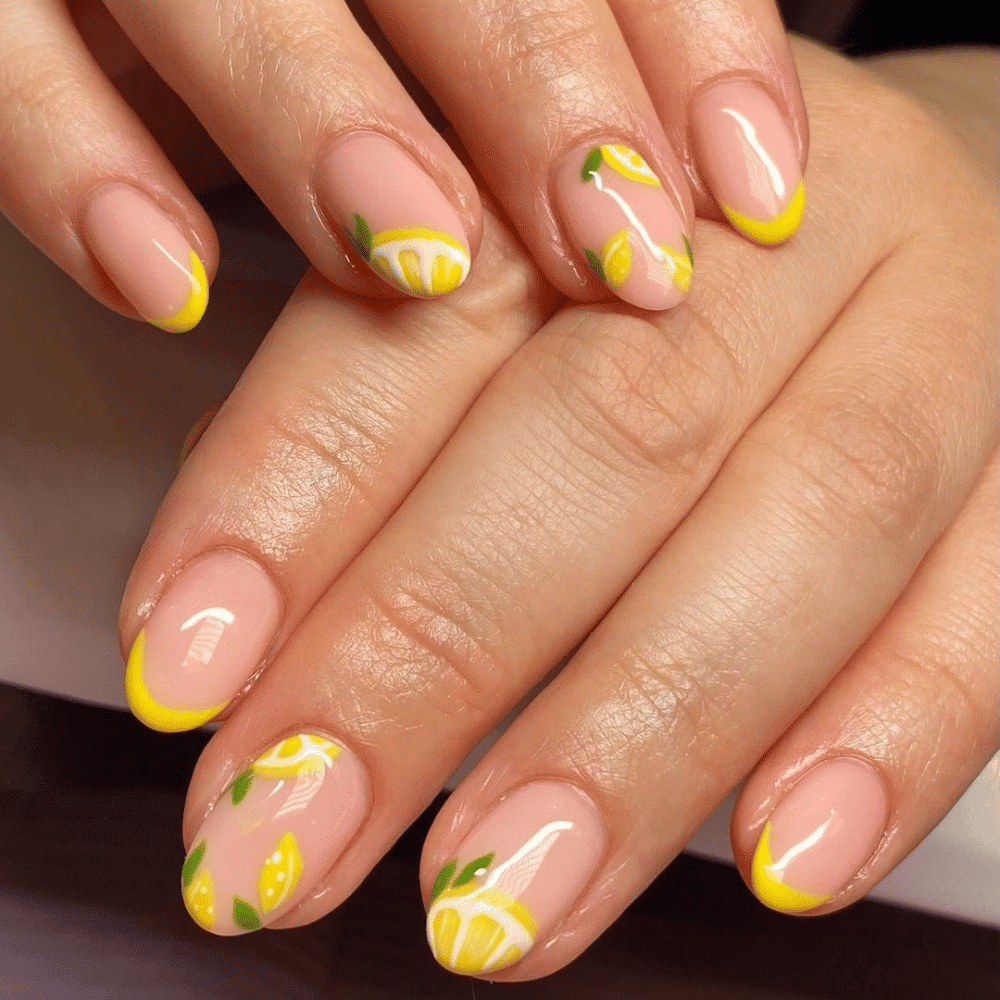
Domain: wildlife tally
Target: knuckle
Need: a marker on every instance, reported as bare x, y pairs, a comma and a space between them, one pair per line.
536, 44
434, 631
863, 461
638, 399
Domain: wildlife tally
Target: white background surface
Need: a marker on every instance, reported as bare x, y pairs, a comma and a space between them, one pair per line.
93, 410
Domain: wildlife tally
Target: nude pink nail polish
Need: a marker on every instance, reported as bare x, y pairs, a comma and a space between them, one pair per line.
396, 217
275, 830
820, 835
146, 256
514, 877
203, 640
749, 159
625, 225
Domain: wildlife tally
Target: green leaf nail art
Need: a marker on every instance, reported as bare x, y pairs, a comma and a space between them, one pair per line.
192, 863
444, 877
239, 788
244, 915
595, 262
361, 237
687, 246
469, 872
591, 163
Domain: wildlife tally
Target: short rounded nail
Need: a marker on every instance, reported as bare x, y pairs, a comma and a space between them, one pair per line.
820, 835
276, 828
396, 217
146, 257
514, 877
749, 159
203, 639
624, 224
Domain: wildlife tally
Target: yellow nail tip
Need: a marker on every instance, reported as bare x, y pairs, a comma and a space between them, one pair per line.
769, 886
148, 710
771, 231
190, 316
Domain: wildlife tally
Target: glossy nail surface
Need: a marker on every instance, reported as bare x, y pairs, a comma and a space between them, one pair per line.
146, 256
204, 639
514, 877
820, 835
276, 829
397, 218
625, 225
749, 159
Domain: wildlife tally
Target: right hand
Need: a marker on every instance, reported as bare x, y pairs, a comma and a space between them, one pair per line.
314, 118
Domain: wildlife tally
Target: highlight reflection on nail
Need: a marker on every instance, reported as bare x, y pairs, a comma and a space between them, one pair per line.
286, 818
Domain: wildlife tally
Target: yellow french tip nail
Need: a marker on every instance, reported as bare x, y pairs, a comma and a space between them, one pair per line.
768, 884
190, 315
147, 709
771, 231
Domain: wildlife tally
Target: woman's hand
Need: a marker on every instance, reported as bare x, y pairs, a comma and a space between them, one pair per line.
593, 143
768, 516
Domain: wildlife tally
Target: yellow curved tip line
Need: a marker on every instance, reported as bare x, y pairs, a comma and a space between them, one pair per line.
775, 230
148, 710
190, 316
770, 890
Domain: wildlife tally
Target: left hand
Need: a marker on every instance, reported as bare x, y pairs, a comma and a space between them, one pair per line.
770, 513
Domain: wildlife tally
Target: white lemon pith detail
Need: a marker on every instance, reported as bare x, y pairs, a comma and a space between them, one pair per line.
419, 260
627, 162
295, 756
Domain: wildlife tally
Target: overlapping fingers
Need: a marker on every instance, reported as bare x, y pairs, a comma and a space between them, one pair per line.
339, 413
580, 458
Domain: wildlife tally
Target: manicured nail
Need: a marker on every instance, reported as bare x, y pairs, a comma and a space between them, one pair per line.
396, 217
624, 223
514, 877
749, 160
204, 638
146, 257
820, 835
277, 828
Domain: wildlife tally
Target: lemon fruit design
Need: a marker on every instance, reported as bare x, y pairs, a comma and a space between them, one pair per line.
415, 259
290, 758
622, 160
473, 926
198, 889
616, 259
679, 264
614, 265
280, 874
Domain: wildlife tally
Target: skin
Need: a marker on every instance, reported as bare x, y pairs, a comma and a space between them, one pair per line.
770, 513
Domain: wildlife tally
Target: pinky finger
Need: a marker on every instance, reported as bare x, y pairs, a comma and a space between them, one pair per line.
83, 179
889, 747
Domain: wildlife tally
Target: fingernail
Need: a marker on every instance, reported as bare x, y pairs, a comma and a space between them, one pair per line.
204, 638
397, 218
749, 160
514, 877
820, 835
276, 828
146, 257
625, 225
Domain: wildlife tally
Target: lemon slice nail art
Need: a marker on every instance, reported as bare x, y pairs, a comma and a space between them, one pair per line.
280, 874
627, 162
296, 755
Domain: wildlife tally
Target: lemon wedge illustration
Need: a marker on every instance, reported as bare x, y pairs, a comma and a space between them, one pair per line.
679, 264
479, 928
419, 260
630, 164
280, 874
616, 259
199, 898
296, 755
